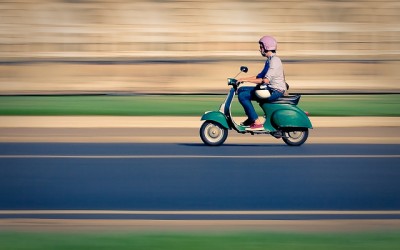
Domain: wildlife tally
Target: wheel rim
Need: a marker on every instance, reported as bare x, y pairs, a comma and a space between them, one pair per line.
213, 133
294, 136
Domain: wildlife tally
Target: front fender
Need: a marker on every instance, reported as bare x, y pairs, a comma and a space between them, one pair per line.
291, 118
216, 116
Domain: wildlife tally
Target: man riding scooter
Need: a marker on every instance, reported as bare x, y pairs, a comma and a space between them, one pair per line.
271, 80
283, 118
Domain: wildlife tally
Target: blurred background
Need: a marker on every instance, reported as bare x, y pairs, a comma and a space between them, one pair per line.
181, 46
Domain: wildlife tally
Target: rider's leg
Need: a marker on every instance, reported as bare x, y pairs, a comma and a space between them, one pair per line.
245, 95
275, 95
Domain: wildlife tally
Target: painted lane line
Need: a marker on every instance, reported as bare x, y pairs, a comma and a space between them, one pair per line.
191, 156
229, 212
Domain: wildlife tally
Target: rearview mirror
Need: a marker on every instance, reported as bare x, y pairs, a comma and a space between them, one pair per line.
244, 69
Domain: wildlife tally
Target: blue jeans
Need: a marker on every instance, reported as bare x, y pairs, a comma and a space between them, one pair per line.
247, 94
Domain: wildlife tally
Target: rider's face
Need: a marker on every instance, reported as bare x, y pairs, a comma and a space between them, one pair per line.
262, 50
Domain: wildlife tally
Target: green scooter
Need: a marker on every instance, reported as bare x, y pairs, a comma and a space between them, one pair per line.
283, 119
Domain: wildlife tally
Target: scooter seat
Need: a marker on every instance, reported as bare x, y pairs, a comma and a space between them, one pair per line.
291, 99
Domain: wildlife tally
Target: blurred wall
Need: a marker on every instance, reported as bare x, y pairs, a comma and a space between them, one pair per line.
157, 46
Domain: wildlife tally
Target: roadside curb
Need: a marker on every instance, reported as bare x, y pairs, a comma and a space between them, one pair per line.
170, 121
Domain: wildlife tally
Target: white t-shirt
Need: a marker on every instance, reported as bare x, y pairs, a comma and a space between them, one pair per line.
275, 74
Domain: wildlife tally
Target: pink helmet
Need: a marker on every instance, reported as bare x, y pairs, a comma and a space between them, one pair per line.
268, 43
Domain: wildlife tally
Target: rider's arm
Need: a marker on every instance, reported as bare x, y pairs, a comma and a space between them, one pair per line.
258, 79
247, 79
253, 79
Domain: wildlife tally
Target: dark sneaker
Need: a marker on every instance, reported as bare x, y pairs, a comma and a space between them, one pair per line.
255, 127
247, 123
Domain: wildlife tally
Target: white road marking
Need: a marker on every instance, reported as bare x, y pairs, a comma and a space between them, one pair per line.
193, 156
266, 212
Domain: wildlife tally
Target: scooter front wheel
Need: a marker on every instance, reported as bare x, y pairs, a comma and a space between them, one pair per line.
295, 138
213, 133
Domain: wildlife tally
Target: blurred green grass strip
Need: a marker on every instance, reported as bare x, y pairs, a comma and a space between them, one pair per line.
199, 241
189, 105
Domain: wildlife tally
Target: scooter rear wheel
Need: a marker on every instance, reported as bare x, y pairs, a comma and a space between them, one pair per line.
213, 133
295, 138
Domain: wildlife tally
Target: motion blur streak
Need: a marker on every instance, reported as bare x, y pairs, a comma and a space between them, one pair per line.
123, 46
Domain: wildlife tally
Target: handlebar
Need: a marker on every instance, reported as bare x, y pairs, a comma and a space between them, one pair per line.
233, 82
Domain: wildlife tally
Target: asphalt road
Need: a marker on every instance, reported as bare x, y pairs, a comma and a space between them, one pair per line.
194, 177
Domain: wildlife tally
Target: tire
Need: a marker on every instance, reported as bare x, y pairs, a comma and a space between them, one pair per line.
295, 138
213, 133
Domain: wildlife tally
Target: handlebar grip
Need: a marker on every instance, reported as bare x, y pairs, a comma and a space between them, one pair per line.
232, 81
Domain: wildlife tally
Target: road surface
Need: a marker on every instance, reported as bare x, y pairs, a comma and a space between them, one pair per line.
76, 174
193, 177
